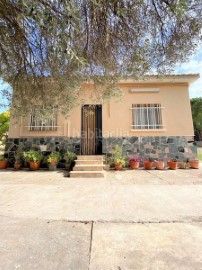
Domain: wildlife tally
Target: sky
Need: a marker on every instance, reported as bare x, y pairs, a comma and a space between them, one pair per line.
3, 100
194, 65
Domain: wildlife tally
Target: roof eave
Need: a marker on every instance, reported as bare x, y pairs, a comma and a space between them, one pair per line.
179, 78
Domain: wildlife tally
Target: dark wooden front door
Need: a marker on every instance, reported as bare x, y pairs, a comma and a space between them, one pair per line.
91, 129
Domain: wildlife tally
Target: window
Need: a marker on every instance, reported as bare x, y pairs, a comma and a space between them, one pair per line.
147, 116
38, 121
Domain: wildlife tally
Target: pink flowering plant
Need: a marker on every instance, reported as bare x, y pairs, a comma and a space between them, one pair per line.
135, 159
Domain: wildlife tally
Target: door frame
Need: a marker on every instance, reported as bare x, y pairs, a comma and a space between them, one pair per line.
98, 128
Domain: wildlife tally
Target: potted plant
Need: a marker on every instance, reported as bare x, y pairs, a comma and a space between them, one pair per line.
183, 164
119, 163
107, 162
70, 158
148, 163
172, 164
160, 164
34, 158
135, 162
194, 163
19, 156
3, 162
52, 160
117, 158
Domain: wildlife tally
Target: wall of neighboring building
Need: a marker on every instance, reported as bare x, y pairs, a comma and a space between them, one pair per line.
117, 116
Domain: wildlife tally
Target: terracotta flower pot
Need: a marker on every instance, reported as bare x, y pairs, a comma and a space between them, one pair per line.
52, 166
33, 166
148, 165
172, 165
118, 166
194, 164
134, 164
18, 166
54, 162
3, 164
182, 165
160, 165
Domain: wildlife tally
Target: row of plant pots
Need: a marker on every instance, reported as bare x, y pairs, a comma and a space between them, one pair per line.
118, 161
34, 158
161, 165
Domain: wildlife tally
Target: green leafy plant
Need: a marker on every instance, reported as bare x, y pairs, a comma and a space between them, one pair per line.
117, 156
200, 155
70, 156
33, 155
53, 158
196, 107
108, 160
19, 154
4, 123
2, 158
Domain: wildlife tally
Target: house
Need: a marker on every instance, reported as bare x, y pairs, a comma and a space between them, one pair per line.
153, 119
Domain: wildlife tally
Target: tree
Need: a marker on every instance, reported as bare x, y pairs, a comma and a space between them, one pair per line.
196, 107
4, 123
73, 41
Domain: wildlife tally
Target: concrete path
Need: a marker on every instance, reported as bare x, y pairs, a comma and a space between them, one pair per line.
147, 220
39, 245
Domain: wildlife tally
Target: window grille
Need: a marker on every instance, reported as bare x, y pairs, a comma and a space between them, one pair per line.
39, 123
147, 116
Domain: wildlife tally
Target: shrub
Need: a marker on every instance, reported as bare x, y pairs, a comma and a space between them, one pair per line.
54, 157
70, 157
117, 156
33, 155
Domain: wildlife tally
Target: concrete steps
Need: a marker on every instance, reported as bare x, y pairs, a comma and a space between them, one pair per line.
86, 174
89, 162
90, 157
88, 167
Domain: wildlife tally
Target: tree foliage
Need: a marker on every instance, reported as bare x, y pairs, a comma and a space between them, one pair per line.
72, 41
196, 107
4, 123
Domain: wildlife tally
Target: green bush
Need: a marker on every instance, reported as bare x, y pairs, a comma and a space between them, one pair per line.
2, 158
4, 124
70, 157
117, 156
54, 157
33, 155
19, 154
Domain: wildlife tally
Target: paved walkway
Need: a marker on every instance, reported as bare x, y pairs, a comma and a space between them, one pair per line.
130, 220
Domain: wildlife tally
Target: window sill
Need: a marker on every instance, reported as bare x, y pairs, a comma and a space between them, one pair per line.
41, 130
51, 128
149, 130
